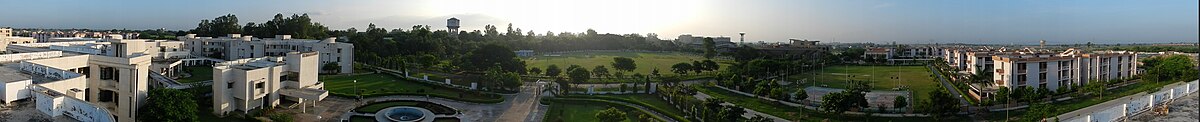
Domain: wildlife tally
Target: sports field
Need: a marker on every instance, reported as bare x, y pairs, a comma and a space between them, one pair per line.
918, 79
646, 62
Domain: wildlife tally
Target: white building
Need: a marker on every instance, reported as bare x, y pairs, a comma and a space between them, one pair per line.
6, 37
103, 87
1034, 69
246, 84
236, 46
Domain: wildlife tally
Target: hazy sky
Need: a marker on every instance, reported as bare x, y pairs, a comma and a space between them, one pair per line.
908, 21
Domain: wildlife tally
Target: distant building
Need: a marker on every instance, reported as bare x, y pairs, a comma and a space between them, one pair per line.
6, 37
235, 46
524, 53
797, 49
878, 53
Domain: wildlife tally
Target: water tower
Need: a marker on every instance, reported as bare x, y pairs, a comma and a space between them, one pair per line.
1043, 44
452, 25
743, 38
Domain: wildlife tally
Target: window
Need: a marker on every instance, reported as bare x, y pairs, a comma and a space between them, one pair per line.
1042, 66
1021, 78
229, 85
259, 85
108, 73
1020, 67
1042, 77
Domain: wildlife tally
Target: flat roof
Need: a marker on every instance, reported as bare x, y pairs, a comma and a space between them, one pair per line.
9, 74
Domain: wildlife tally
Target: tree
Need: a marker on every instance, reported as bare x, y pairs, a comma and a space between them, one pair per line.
169, 105
801, 95
624, 64
854, 97
900, 102
611, 115
535, 70
600, 71
759, 118
698, 67
553, 70
331, 67
711, 65
832, 102
941, 104
492, 55
681, 68
507, 80
226, 24
1002, 95
1169, 68
579, 75
710, 48
298, 26
1043, 92
1039, 112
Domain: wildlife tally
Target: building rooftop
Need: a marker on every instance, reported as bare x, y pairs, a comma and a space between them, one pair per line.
8, 74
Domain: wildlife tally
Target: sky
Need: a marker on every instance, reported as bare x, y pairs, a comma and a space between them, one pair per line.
847, 21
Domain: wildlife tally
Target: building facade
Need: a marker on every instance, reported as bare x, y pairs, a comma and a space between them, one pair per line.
103, 87
236, 46
246, 84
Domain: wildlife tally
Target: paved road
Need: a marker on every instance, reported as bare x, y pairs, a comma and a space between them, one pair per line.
953, 91
523, 105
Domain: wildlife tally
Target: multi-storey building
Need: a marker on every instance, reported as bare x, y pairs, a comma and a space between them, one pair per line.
1060, 70
105, 87
251, 83
236, 46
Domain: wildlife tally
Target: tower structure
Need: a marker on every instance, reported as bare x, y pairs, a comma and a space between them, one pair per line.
452, 25
1043, 44
743, 40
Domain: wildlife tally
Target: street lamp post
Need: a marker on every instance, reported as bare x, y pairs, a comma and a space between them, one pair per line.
357, 93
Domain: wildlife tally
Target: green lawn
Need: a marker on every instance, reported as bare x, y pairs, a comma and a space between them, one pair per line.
652, 100
583, 111
199, 73
646, 62
378, 84
789, 112
916, 78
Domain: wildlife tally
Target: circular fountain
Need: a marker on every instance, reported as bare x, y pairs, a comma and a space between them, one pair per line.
404, 114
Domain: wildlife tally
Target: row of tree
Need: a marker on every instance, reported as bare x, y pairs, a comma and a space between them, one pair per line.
299, 26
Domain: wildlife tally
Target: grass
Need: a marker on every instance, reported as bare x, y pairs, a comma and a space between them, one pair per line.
916, 78
584, 111
352, 119
648, 100
646, 62
789, 112
377, 84
199, 73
